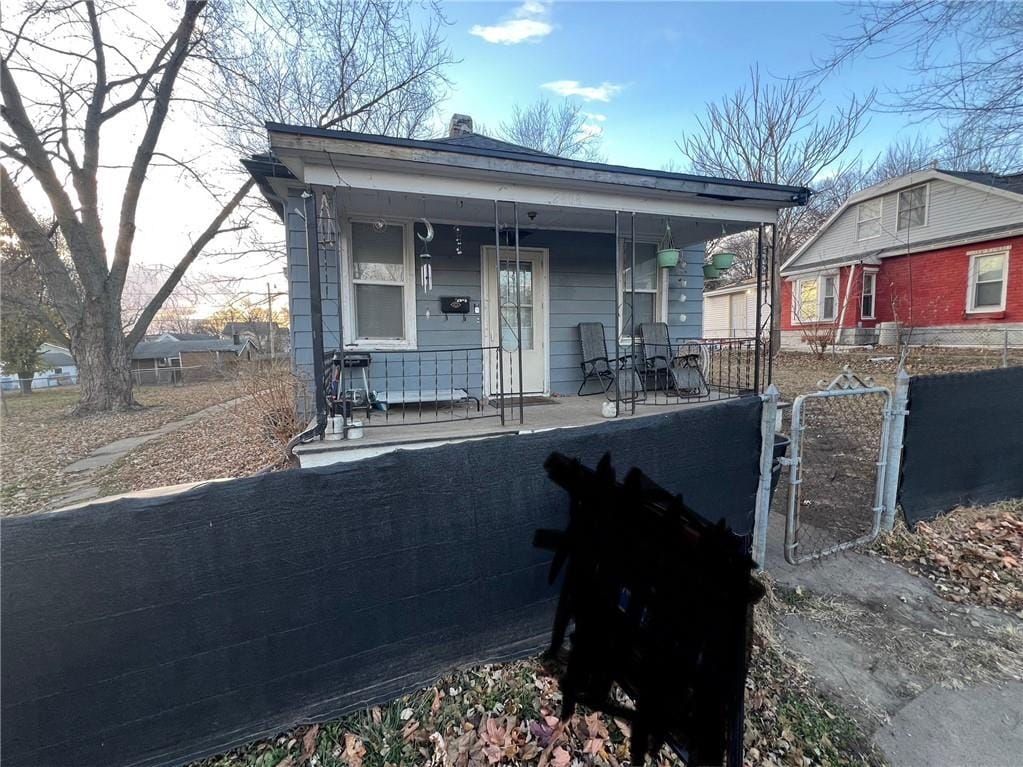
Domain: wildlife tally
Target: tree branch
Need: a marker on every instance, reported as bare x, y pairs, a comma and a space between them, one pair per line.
178, 272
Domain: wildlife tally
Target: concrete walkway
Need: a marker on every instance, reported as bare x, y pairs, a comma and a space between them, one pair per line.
932, 682
82, 472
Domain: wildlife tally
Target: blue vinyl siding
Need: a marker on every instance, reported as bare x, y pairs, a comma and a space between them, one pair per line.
581, 289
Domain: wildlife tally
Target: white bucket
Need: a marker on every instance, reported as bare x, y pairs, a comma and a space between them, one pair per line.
608, 410
334, 428
354, 429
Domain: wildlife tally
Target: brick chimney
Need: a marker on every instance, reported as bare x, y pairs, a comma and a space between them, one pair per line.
460, 125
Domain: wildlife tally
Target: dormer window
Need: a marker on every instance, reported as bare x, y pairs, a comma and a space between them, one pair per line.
912, 211
868, 219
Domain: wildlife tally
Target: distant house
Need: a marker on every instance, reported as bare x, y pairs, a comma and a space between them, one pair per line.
59, 369
174, 357
730, 311
259, 333
939, 251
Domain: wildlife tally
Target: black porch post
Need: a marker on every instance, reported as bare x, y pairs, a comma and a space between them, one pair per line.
518, 311
618, 320
500, 308
632, 307
775, 292
758, 340
315, 309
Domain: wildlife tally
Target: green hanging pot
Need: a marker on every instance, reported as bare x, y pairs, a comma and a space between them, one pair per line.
723, 260
668, 258
710, 272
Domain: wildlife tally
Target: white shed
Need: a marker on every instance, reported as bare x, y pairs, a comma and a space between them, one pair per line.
731, 311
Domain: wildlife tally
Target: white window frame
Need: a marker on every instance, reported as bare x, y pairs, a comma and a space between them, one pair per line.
660, 292
971, 279
869, 274
408, 294
860, 220
819, 281
898, 206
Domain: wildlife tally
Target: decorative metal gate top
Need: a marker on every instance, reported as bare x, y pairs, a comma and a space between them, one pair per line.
836, 472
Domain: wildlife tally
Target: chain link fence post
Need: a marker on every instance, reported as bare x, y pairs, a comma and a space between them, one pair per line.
763, 508
896, 430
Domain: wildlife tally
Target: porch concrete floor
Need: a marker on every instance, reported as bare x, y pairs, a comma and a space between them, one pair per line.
381, 435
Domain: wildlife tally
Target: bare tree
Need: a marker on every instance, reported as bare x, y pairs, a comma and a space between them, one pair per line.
70, 71
73, 69
563, 130
375, 66
968, 66
774, 133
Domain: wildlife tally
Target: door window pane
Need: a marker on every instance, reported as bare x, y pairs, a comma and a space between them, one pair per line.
510, 329
507, 283
378, 255
646, 266
379, 311
644, 310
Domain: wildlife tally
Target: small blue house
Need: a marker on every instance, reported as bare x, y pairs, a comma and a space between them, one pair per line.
432, 259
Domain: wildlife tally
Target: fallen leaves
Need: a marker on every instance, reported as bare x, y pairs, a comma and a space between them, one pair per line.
972, 556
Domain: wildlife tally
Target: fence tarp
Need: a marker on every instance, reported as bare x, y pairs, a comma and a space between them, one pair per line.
152, 631
963, 442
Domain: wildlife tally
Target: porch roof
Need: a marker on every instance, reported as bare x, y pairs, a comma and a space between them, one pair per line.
488, 170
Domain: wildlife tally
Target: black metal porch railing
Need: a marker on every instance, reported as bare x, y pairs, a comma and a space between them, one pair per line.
388, 388
698, 370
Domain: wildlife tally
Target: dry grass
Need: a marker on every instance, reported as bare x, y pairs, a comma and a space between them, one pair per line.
241, 440
40, 437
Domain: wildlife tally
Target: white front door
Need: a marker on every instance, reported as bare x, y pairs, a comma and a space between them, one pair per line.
502, 321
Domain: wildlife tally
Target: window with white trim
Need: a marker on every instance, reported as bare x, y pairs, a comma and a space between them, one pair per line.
383, 285
868, 296
987, 281
868, 219
815, 299
912, 208
648, 307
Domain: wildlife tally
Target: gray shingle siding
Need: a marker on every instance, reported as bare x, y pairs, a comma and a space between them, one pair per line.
581, 289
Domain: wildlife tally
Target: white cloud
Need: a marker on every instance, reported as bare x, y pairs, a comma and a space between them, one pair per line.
528, 24
595, 116
591, 130
602, 92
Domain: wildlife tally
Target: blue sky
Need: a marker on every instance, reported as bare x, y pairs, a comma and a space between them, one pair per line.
649, 68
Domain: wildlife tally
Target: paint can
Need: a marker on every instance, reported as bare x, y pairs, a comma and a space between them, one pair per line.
354, 429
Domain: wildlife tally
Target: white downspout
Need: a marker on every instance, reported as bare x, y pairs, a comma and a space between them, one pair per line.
841, 313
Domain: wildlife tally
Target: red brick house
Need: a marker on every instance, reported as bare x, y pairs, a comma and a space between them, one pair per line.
937, 251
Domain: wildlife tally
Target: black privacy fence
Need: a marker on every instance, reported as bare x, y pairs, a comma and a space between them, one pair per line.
963, 441
156, 631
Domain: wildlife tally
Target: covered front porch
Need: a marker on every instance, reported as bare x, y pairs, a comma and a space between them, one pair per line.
451, 290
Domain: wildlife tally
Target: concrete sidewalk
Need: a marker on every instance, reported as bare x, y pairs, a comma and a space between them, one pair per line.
924, 677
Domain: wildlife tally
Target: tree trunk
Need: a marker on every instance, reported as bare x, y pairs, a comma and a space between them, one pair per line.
104, 363
25, 380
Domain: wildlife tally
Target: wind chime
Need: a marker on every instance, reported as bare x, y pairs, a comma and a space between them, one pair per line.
425, 269
326, 228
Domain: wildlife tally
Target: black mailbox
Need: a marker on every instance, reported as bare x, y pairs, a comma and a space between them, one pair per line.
454, 304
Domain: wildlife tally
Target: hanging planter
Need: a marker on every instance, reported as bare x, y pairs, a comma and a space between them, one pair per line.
710, 272
667, 252
723, 260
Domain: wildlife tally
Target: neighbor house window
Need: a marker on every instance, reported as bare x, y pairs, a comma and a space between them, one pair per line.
867, 299
382, 283
912, 210
815, 298
868, 219
988, 272
647, 306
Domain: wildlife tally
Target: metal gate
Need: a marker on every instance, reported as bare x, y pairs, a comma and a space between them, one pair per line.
837, 467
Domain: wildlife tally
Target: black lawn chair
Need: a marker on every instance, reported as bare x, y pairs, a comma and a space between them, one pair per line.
596, 363
656, 353
678, 368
